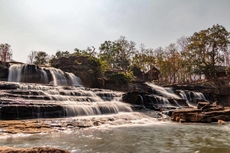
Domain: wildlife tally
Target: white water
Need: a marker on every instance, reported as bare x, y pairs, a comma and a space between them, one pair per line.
45, 76
59, 77
15, 73
191, 97
162, 91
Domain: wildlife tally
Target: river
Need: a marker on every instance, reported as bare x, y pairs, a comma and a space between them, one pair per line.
158, 137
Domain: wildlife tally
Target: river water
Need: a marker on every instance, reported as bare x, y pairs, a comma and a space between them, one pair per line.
158, 137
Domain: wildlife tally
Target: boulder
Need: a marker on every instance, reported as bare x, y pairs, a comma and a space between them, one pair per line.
206, 114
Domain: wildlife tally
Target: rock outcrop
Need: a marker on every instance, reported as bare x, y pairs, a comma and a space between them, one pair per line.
5, 149
204, 113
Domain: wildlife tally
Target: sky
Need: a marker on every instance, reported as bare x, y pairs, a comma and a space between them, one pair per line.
52, 25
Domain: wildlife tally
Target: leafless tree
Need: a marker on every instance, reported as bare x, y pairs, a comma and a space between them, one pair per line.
31, 57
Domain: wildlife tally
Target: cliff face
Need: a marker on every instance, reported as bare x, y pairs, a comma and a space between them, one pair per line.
4, 70
84, 67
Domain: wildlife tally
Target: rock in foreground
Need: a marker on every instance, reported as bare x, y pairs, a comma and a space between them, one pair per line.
204, 113
31, 150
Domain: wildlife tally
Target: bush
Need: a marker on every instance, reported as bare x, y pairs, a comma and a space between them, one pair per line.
120, 77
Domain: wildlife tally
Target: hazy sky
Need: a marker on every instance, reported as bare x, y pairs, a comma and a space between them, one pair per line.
51, 25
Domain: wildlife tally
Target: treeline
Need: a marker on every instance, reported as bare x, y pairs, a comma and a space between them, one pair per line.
188, 59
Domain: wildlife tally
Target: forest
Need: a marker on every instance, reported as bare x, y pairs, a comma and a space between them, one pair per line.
189, 58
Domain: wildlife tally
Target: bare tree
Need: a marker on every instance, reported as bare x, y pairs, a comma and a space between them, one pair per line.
31, 57
5, 52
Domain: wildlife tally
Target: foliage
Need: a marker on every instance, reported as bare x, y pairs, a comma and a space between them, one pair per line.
90, 51
118, 53
60, 54
42, 58
120, 77
5, 52
206, 49
144, 58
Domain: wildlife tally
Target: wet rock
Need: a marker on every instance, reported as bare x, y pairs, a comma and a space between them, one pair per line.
5, 149
205, 113
221, 122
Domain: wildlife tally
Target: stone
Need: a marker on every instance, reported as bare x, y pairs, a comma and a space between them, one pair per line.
221, 122
5, 149
207, 115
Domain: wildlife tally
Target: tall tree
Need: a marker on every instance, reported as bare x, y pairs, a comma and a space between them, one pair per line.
5, 52
31, 57
42, 58
174, 62
206, 49
144, 58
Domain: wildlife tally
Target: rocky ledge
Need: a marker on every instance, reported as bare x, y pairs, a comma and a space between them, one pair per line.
204, 113
31, 150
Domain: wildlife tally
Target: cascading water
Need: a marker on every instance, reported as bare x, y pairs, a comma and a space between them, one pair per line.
15, 73
162, 91
34, 74
32, 101
192, 97
183, 99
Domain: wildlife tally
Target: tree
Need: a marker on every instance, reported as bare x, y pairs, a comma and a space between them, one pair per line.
5, 52
60, 54
42, 58
173, 59
144, 59
206, 49
118, 53
31, 57
89, 51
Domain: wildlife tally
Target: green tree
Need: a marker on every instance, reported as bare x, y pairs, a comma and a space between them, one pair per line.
5, 52
89, 51
60, 54
206, 49
42, 58
118, 53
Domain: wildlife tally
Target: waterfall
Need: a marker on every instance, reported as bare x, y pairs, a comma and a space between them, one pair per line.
40, 101
44, 75
192, 97
58, 77
15, 73
76, 81
162, 91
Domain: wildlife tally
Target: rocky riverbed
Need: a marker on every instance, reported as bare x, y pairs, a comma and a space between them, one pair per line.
34, 126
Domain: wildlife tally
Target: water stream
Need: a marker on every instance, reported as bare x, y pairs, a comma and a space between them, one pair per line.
158, 137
